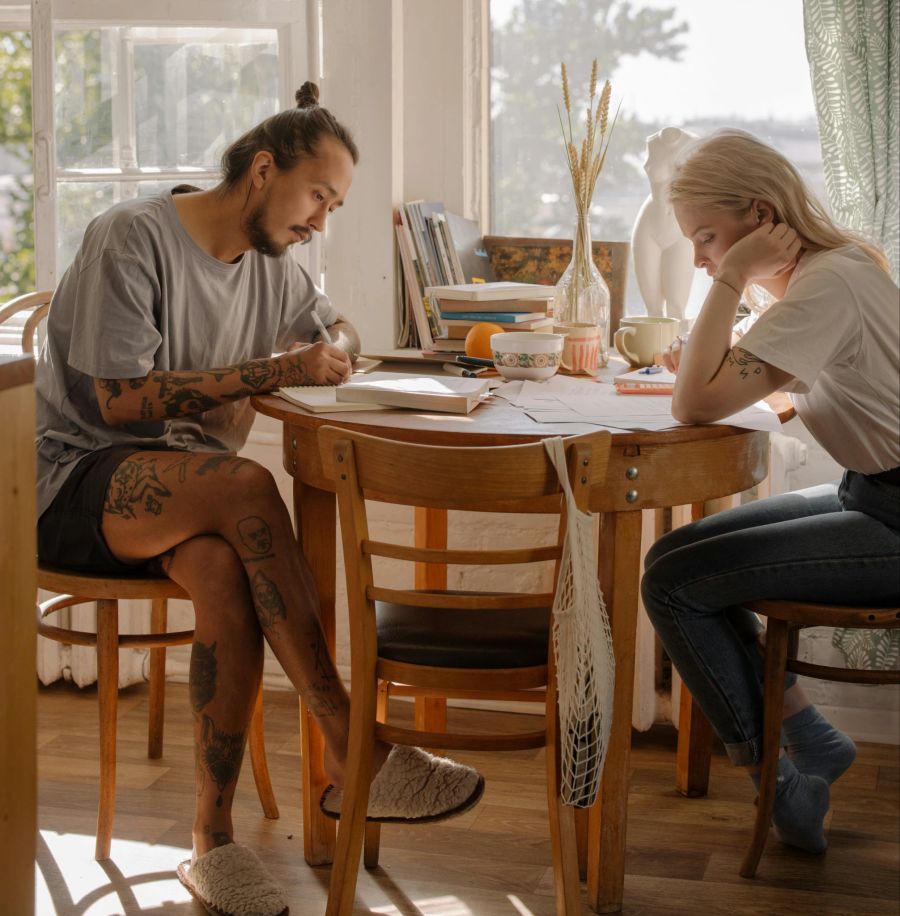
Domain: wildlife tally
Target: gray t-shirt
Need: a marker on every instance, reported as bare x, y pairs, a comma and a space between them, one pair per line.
142, 295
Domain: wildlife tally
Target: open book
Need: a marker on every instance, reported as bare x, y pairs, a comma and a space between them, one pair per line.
448, 394
322, 399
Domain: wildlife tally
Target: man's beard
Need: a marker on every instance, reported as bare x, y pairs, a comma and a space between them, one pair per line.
261, 241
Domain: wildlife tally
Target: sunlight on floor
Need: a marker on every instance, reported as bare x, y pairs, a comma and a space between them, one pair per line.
432, 906
138, 877
521, 909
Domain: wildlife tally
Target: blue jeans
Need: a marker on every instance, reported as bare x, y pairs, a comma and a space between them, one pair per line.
827, 544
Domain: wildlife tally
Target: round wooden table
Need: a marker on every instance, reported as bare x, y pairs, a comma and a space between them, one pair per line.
695, 465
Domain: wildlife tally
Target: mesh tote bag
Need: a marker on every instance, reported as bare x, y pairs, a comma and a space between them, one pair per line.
582, 646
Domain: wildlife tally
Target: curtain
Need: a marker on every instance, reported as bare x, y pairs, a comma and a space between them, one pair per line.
853, 48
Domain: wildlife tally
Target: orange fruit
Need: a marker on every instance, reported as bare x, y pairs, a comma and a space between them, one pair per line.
478, 340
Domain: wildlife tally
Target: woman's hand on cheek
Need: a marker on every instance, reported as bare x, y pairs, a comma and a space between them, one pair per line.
762, 254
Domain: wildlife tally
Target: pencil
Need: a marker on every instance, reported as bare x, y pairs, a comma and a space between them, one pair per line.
323, 331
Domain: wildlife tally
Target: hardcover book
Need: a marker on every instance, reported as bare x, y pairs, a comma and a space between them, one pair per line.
419, 392
486, 292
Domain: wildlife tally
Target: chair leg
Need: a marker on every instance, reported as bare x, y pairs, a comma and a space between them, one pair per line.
563, 839
258, 761
695, 736
352, 828
108, 696
158, 622
773, 710
372, 845
582, 823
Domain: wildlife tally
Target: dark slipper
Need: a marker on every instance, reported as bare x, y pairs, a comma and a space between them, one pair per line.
414, 787
231, 881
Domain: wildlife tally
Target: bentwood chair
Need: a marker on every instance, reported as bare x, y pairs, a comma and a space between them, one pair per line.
72, 588
785, 620
447, 643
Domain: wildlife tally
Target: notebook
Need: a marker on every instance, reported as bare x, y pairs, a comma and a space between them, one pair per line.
640, 381
322, 399
486, 292
447, 394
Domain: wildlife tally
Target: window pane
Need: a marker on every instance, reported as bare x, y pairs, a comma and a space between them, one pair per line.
86, 64
16, 197
80, 201
671, 63
159, 98
192, 99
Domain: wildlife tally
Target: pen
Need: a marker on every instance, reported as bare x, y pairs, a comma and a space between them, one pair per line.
458, 369
475, 361
651, 370
323, 331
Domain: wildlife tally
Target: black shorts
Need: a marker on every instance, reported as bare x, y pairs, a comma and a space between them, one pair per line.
69, 531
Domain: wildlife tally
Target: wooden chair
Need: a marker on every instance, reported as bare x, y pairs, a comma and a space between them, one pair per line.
434, 652
785, 620
525, 260
71, 588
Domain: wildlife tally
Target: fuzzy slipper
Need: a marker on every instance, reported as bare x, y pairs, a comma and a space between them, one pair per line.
231, 881
414, 787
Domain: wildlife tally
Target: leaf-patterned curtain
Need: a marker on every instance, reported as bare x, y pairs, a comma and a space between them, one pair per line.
853, 48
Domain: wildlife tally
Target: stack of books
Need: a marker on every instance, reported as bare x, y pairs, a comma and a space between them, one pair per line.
512, 306
435, 247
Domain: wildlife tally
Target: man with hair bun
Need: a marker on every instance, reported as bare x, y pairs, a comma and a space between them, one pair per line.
158, 334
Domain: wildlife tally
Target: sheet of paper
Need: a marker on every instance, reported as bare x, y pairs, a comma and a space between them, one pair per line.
563, 399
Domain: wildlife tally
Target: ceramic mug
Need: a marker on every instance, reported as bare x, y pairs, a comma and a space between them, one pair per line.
581, 346
640, 337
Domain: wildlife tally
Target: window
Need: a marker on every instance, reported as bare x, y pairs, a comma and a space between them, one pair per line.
16, 196
682, 63
140, 109
141, 98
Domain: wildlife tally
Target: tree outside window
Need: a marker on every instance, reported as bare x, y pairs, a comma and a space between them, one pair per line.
683, 63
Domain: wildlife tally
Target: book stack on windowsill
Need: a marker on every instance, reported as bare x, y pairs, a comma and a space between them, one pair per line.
512, 306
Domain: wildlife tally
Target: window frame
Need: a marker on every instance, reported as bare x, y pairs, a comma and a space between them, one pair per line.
296, 22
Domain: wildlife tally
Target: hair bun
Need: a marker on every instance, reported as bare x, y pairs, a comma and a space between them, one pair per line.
307, 95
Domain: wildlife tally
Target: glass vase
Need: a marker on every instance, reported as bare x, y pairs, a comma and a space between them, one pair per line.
581, 293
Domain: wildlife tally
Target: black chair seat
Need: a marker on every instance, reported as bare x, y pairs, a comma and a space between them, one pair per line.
515, 638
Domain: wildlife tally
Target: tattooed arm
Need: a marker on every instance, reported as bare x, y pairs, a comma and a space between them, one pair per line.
716, 378
164, 395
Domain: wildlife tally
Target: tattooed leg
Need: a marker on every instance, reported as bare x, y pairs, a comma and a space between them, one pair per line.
226, 665
238, 501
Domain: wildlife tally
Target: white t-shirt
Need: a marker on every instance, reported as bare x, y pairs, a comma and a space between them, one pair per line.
142, 295
837, 331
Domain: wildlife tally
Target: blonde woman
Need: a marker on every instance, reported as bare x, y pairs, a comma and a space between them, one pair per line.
824, 328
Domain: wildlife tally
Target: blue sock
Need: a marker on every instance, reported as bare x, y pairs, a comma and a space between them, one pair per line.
815, 746
801, 803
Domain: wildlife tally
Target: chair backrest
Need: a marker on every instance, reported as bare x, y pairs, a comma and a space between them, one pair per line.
20, 318
525, 260
497, 479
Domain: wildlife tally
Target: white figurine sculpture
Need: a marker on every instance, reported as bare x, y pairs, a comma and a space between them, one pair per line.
663, 257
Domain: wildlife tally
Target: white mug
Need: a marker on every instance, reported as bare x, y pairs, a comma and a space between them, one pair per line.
581, 347
640, 337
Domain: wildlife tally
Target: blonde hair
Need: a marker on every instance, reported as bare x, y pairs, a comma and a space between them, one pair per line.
730, 169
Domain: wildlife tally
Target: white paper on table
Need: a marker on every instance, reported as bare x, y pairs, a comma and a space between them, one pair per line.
559, 387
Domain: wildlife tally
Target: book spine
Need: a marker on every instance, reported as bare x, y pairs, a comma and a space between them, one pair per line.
414, 290
525, 318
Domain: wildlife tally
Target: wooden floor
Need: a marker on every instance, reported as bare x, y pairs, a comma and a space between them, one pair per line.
683, 854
